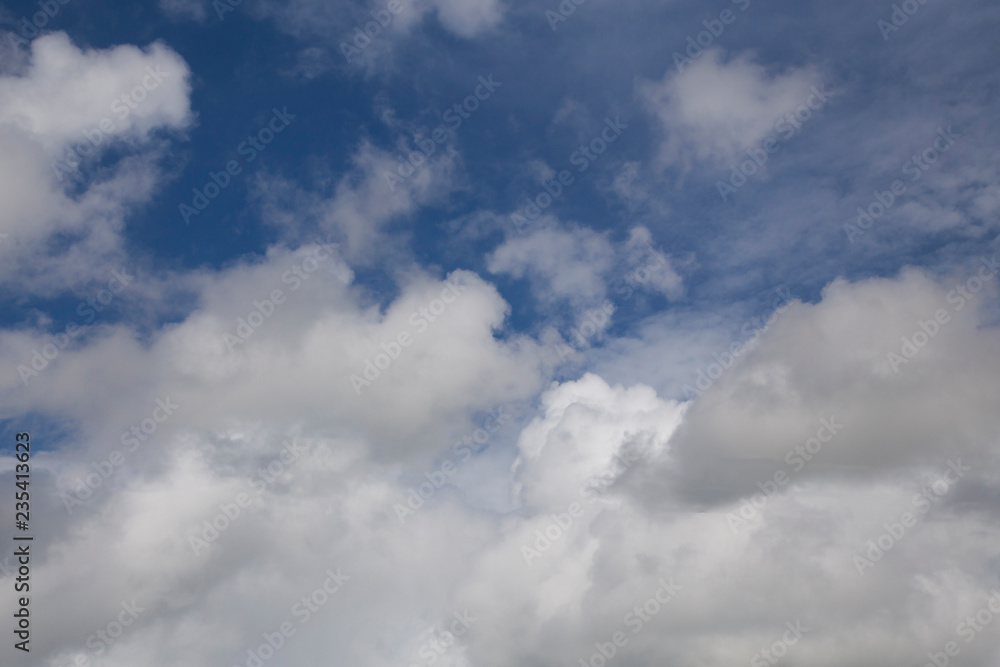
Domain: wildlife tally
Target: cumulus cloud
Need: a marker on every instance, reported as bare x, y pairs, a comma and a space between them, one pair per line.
715, 109
430, 350
877, 356
602, 533
323, 343
343, 438
66, 91
66, 107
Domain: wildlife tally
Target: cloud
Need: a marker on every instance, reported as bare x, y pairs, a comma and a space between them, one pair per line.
63, 213
66, 92
877, 355
653, 271
587, 538
227, 424
378, 190
363, 37
561, 263
321, 340
297, 432
576, 264
713, 110
469, 18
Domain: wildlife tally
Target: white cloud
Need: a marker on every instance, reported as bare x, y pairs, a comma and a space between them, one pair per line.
469, 18
578, 265
713, 110
653, 271
320, 335
832, 359
599, 489
66, 92
375, 193
334, 506
56, 115
562, 263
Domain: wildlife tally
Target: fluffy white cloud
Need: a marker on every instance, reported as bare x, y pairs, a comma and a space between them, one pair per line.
65, 93
601, 520
318, 343
713, 110
877, 355
373, 452
63, 109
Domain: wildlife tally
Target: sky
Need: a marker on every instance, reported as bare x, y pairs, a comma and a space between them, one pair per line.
478, 333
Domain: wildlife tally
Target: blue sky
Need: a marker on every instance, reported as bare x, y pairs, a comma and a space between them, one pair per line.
684, 231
